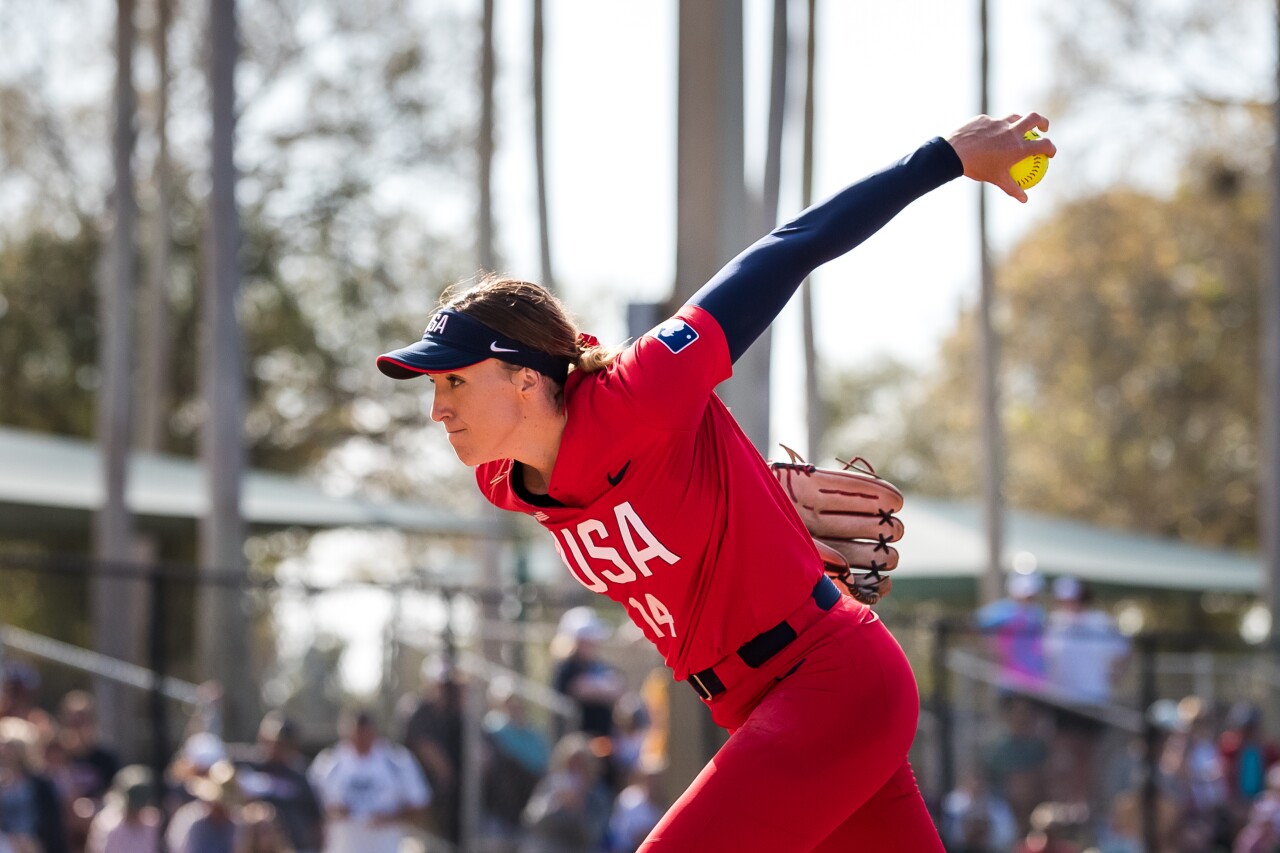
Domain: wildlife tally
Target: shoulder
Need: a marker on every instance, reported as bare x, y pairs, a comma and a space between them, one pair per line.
996, 611
395, 753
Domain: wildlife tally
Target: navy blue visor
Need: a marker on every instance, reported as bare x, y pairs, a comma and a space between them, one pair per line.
453, 341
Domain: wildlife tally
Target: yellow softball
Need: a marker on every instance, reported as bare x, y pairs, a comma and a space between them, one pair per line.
1028, 172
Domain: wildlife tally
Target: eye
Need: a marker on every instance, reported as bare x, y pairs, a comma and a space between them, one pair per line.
454, 381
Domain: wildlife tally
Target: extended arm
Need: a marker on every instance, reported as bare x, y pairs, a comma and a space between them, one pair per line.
750, 290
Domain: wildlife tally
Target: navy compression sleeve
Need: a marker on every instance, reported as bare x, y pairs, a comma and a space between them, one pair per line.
750, 290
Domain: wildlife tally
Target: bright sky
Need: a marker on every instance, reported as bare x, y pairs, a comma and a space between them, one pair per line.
889, 77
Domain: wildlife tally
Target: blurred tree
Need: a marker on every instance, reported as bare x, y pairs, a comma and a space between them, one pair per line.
1161, 52
1130, 340
540, 145
48, 334
353, 151
484, 143
115, 599
1143, 83
155, 375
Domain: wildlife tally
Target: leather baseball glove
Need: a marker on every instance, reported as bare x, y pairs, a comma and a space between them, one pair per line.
850, 515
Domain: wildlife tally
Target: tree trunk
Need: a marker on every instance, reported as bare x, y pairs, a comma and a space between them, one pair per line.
812, 386
540, 146
156, 391
777, 116
222, 626
989, 372
1269, 428
712, 212
484, 143
114, 527
712, 225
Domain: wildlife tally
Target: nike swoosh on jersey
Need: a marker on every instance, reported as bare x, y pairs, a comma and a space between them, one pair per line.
493, 347
615, 479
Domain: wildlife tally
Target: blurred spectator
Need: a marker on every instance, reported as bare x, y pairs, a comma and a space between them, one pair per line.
1017, 760
974, 820
208, 714
1124, 832
18, 796
200, 753
1053, 828
19, 689
90, 766
275, 773
569, 809
1083, 651
630, 731
581, 674
370, 789
210, 823
1084, 648
1261, 834
129, 822
433, 733
1192, 769
637, 809
51, 806
1247, 756
516, 758
1015, 627
262, 832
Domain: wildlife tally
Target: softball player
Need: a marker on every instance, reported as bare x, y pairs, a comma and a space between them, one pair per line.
655, 498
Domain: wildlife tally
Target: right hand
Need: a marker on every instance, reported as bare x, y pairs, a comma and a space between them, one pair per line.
989, 147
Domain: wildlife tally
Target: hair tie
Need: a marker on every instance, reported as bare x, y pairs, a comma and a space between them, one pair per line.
586, 341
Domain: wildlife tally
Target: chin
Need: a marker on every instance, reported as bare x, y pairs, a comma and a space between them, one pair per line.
466, 455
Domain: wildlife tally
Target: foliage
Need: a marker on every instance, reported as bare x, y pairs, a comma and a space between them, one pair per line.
48, 333
1131, 359
1130, 334
351, 138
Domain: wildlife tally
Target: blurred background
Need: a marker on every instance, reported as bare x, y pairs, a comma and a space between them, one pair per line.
229, 546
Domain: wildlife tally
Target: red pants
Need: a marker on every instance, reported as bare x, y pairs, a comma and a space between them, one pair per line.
817, 755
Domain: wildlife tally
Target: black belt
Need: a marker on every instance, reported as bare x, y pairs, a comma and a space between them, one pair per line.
756, 651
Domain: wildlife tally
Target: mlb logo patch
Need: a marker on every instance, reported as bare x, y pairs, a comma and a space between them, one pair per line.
675, 334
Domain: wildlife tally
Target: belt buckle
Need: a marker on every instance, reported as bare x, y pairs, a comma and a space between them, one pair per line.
699, 687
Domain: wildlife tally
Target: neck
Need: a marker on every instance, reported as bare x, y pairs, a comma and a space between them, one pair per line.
538, 458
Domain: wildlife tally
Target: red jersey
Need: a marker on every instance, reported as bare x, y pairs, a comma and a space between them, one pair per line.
665, 506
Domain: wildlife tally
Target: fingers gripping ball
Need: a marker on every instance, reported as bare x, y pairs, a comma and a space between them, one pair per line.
1028, 172
850, 515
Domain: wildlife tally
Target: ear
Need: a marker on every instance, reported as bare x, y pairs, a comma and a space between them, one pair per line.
527, 380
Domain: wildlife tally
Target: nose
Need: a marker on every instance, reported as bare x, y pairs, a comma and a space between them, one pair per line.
439, 409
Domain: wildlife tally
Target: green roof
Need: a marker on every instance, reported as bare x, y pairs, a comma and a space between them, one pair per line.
46, 480
946, 539
58, 480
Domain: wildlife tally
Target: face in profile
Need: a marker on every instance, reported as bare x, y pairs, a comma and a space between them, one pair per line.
482, 407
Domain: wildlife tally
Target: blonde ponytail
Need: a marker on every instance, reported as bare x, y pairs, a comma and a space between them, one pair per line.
593, 357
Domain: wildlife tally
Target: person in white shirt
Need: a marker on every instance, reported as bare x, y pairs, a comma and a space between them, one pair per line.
371, 789
1084, 651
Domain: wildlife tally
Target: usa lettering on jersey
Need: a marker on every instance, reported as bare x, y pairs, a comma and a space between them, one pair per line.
588, 551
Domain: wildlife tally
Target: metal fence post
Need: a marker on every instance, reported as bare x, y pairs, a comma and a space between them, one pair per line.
159, 721
942, 705
1146, 644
